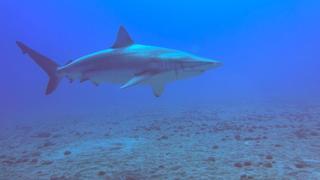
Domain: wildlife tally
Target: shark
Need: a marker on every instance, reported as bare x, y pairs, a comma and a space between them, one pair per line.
126, 63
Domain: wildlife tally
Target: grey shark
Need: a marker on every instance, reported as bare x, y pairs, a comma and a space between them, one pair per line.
125, 63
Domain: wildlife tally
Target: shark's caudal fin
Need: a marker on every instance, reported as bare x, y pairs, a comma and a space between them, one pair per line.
47, 65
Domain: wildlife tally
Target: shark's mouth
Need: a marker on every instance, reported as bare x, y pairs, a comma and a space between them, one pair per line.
191, 68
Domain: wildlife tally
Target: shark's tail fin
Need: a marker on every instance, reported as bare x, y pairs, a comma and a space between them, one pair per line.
49, 66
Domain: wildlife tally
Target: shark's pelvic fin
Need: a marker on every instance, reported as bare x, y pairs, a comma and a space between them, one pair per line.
157, 89
123, 39
83, 79
135, 80
95, 83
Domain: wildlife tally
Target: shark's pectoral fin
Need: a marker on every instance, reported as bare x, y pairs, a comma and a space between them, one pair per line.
135, 80
68, 62
157, 86
157, 89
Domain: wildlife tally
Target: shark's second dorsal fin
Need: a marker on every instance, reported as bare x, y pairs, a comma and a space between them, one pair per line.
123, 39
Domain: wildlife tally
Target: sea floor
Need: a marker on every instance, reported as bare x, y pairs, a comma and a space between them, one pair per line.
222, 142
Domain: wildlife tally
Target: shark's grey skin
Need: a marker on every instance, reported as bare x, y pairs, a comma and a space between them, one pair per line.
125, 63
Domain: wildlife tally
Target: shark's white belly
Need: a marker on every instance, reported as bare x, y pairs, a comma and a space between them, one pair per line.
170, 76
114, 77
121, 77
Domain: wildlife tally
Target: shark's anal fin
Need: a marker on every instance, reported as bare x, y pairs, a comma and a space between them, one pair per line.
157, 89
123, 39
135, 80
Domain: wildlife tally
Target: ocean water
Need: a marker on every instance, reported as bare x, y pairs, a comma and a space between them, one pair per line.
256, 117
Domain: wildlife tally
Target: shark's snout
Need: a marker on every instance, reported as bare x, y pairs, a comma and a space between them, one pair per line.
218, 64
212, 64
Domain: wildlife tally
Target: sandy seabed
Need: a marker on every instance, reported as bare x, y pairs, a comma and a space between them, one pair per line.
223, 142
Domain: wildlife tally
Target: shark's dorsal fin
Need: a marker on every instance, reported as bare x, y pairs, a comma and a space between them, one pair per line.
123, 39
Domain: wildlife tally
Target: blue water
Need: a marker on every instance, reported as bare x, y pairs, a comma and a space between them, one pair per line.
270, 52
